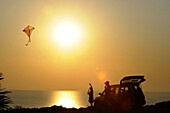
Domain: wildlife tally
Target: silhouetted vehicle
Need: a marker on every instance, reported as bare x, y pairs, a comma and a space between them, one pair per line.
126, 96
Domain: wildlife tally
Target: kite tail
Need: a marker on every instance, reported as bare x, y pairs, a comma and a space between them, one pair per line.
28, 42
29, 39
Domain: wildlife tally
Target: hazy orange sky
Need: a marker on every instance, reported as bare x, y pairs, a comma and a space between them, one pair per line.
119, 37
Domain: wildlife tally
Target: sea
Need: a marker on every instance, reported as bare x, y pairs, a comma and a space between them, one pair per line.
68, 99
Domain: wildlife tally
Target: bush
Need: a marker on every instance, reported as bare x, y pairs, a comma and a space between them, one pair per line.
4, 99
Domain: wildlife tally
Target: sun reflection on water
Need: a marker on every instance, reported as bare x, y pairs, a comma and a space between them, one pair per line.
66, 99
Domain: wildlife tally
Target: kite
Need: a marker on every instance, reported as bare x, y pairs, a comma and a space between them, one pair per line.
28, 30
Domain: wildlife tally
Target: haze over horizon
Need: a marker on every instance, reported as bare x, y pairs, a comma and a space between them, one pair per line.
114, 38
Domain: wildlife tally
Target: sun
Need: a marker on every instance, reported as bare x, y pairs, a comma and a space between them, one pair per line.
67, 33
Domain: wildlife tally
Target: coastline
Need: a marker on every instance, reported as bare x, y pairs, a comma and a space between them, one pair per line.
161, 107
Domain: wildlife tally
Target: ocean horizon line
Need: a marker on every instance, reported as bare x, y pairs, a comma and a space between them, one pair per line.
73, 90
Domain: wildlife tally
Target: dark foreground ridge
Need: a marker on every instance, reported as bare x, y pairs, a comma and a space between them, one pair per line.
161, 107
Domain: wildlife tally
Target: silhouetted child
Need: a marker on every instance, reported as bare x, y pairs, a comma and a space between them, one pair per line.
90, 93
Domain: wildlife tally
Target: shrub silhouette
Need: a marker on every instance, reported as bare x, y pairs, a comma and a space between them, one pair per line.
4, 99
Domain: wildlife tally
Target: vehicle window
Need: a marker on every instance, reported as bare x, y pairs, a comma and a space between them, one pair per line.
122, 90
116, 90
126, 88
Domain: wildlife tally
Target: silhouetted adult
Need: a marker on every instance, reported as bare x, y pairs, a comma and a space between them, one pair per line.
90, 93
107, 88
107, 92
107, 97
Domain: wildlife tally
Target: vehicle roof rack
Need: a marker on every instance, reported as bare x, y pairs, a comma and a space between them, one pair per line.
133, 79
